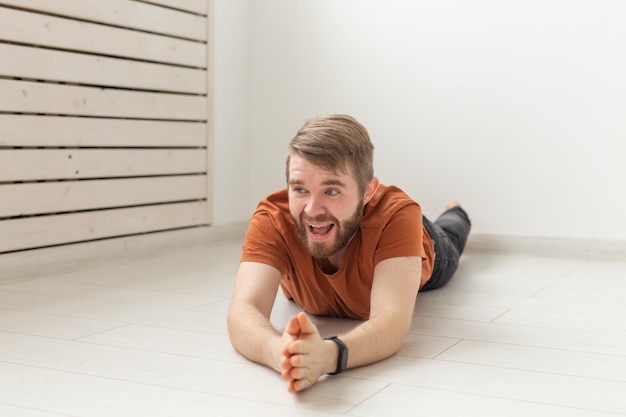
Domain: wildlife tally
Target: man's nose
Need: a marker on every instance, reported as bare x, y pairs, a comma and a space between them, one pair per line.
314, 207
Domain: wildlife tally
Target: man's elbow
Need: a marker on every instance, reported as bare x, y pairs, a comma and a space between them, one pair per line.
395, 334
233, 324
401, 331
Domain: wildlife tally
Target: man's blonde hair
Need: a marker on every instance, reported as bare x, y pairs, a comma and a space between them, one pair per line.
336, 142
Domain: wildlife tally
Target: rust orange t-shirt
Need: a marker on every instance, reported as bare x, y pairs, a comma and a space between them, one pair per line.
391, 227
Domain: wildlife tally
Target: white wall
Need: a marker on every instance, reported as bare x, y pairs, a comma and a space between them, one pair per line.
517, 109
230, 131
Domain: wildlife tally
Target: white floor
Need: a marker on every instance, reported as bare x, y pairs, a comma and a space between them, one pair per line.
510, 336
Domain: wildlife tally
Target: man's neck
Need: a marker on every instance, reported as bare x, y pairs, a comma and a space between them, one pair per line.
337, 259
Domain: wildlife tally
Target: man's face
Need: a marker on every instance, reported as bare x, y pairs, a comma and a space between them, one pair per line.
326, 207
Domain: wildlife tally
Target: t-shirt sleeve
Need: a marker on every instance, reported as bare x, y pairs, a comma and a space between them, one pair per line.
402, 236
264, 243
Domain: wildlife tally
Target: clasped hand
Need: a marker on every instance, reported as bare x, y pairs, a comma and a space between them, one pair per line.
305, 355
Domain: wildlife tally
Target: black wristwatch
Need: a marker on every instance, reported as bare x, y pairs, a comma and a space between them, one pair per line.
342, 357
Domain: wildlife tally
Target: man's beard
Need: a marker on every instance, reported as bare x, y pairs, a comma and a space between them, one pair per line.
343, 233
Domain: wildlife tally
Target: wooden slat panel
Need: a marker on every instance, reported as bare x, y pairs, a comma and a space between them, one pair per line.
50, 164
32, 28
32, 232
86, 55
130, 14
27, 130
51, 65
65, 196
33, 97
194, 6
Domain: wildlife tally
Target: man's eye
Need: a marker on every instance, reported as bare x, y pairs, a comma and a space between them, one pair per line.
332, 192
298, 190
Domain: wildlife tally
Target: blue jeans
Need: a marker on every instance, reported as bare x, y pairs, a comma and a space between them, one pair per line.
449, 234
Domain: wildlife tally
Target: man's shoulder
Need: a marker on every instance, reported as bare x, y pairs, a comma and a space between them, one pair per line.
270, 236
389, 197
275, 207
387, 201
278, 201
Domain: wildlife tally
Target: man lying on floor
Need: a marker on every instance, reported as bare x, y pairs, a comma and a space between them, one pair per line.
339, 244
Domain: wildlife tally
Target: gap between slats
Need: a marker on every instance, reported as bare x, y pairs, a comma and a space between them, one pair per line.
122, 14
36, 29
123, 101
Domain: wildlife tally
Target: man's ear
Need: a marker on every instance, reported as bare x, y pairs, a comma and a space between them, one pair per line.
370, 190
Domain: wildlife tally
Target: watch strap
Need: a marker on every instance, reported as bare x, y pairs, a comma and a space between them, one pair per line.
342, 355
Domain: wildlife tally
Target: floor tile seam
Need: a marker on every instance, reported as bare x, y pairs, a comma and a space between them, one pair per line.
177, 268
59, 315
447, 349
121, 326
94, 300
129, 322
89, 285
528, 326
162, 386
586, 301
495, 397
78, 339
366, 399
548, 311
581, 331
535, 371
119, 347
509, 396
37, 410
491, 341
160, 352
542, 347
220, 299
434, 316
153, 326
532, 308
596, 256
58, 339
104, 301
483, 291
595, 289
494, 320
123, 380
567, 313
457, 304
13, 281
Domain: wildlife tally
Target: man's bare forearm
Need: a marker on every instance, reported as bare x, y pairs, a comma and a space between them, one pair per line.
375, 339
395, 286
253, 336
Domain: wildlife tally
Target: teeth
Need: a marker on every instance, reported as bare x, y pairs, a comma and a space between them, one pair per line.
320, 230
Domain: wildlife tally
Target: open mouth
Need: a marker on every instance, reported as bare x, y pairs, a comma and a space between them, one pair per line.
320, 231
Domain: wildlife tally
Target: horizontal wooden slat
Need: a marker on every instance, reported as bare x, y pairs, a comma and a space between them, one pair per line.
32, 232
65, 196
109, 98
51, 131
194, 6
34, 97
49, 164
37, 29
52, 65
130, 14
